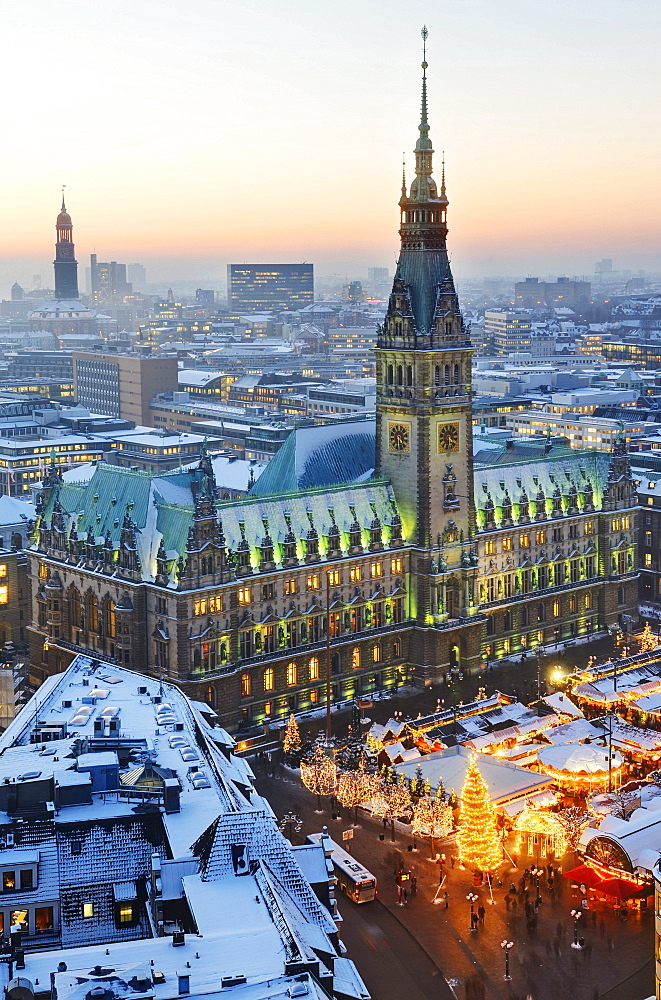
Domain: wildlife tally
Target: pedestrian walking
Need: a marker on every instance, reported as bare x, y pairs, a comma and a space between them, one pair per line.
452, 861
594, 918
556, 947
414, 886
507, 900
405, 895
602, 928
480, 913
514, 905
447, 899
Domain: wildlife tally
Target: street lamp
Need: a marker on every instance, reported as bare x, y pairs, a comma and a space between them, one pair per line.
290, 822
576, 915
506, 945
537, 874
472, 899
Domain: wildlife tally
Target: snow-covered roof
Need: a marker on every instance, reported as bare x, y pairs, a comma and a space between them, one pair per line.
15, 511
579, 758
505, 781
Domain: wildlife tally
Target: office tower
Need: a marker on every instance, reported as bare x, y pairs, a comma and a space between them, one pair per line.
122, 385
137, 275
255, 288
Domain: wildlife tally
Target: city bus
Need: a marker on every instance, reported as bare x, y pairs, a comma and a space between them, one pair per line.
353, 879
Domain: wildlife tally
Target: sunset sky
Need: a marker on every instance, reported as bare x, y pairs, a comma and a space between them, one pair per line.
190, 134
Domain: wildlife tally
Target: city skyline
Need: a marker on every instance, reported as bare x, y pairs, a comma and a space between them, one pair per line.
187, 145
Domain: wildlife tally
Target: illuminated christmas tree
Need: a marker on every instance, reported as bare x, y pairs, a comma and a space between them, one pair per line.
647, 640
354, 788
292, 740
477, 838
391, 800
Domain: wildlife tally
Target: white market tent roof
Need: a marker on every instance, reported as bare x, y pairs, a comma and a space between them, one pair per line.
504, 780
578, 758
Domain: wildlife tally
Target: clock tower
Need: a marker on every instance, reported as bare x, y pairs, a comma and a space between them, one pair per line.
424, 420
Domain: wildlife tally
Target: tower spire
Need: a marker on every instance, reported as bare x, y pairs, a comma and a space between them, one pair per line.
423, 112
64, 207
403, 175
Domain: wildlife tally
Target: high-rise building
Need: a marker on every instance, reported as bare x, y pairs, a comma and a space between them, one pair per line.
122, 385
137, 275
508, 332
377, 274
66, 266
569, 293
108, 281
254, 288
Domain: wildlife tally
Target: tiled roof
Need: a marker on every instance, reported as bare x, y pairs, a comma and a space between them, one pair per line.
423, 270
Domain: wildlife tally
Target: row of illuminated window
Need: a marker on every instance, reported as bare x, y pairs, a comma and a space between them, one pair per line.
294, 672
541, 538
510, 584
208, 605
314, 580
528, 615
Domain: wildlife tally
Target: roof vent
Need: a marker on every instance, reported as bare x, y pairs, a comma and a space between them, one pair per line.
298, 990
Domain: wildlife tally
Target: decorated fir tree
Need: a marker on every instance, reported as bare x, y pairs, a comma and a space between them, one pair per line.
647, 641
477, 838
292, 740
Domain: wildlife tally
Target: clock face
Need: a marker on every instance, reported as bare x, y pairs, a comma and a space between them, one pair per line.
399, 437
448, 437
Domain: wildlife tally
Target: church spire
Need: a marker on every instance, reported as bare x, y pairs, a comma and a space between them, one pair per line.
66, 266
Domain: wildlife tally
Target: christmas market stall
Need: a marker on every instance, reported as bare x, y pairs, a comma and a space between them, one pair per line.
580, 768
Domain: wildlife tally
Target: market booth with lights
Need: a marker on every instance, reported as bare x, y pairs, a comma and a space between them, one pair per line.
618, 859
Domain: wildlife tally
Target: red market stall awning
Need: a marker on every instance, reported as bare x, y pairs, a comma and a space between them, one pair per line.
618, 886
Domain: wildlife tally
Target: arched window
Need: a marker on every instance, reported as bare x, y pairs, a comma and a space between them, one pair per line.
409, 375
524, 616
355, 658
396, 650
292, 674
400, 375
507, 621
447, 374
376, 653
620, 595
456, 374
314, 668
75, 608
541, 613
390, 374
246, 685
91, 612
210, 696
109, 618
269, 679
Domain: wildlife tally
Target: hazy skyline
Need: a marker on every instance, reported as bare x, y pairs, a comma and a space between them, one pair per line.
193, 135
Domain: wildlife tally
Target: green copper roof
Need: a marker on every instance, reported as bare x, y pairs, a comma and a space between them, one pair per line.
423, 270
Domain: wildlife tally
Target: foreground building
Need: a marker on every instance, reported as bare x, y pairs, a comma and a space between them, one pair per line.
390, 539
137, 858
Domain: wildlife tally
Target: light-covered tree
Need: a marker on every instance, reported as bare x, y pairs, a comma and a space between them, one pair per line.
477, 838
432, 817
573, 821
354, 788
319, 774
292, 740
647, 641
391, 800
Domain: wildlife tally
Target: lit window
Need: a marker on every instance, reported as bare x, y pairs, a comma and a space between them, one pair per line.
245, 595
650, 501
489, 547
588, 528
355, 658
292, 674
376, 653
376, 570
268, 708
269, 679
356, 574
88, 910
314, 668
3, 571
43, 571
246, 685
524, 541
588, 601
314, 697
540, 537
648, 561
396, 564
125, 914
507, 544
334, 577
313, 581
290, 587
